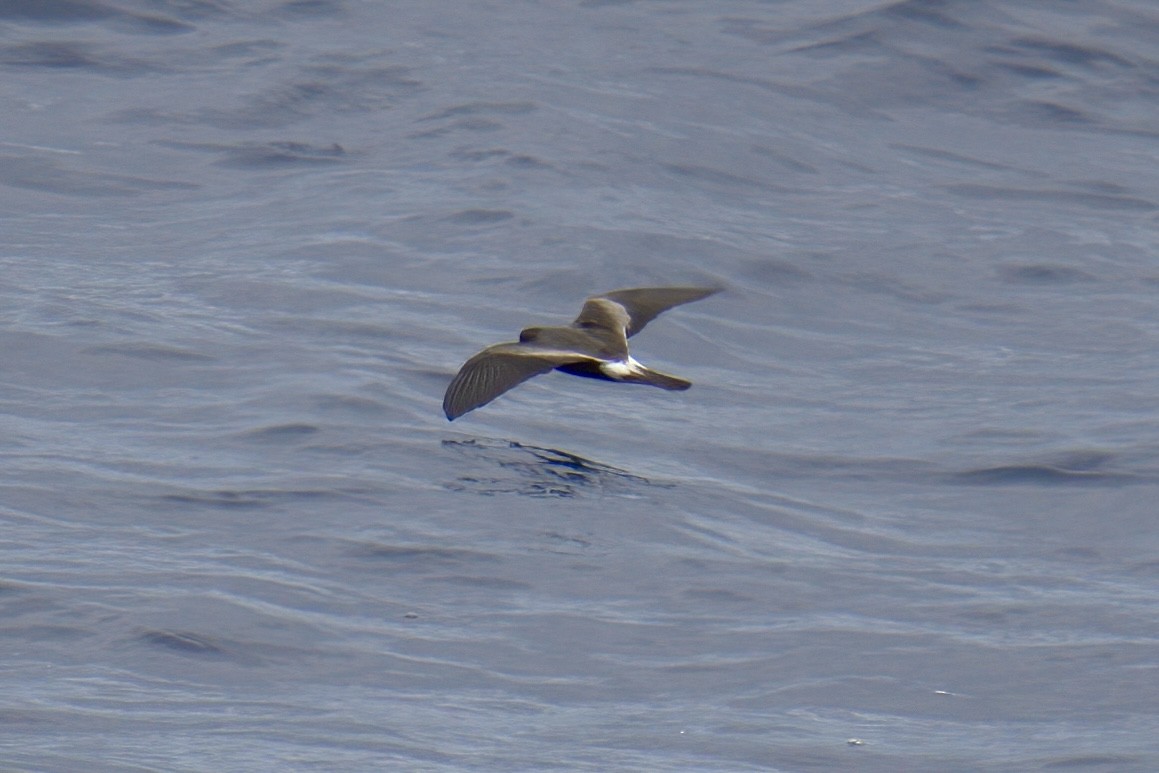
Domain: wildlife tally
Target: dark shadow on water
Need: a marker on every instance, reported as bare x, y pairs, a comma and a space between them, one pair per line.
509, 467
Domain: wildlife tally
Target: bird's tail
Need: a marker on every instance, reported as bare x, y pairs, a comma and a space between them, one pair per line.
642, 375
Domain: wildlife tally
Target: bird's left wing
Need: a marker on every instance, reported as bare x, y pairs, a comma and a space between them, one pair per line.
628, 311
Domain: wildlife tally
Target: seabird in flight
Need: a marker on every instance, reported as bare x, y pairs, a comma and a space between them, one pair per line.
594, 346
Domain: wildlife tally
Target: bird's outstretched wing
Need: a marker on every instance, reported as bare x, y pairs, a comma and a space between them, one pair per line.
626, 312
497, 369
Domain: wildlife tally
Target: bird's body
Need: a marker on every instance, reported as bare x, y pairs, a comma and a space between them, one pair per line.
595, 345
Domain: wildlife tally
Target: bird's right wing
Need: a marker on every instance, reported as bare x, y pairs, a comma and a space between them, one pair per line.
495, 370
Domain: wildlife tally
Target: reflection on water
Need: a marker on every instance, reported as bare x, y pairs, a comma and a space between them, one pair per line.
509, 467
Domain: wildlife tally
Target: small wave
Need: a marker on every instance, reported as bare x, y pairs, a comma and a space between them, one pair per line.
154, 352
1039, 474
282, 432
184, 642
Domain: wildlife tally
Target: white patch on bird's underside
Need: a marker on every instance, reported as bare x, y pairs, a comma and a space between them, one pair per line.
621, 369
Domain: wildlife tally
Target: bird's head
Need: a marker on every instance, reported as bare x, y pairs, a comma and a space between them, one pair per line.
528, 334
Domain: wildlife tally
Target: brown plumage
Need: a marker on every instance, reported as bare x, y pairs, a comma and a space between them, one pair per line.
595, 345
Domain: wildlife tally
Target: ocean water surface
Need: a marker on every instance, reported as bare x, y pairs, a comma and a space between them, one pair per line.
904, 520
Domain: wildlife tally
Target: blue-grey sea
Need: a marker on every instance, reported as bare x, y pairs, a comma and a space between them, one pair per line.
907, 518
